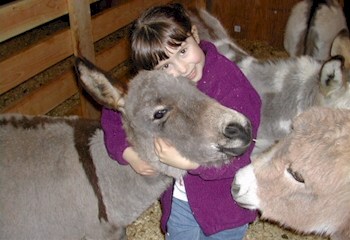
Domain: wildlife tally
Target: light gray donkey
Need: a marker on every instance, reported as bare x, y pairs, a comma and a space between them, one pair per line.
303, 182
58, 182
317, 28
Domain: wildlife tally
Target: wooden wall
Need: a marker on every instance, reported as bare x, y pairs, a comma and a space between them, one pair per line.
263, 20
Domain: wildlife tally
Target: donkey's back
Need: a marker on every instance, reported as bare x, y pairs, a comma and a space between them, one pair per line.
58, 182
45, 186
316, 28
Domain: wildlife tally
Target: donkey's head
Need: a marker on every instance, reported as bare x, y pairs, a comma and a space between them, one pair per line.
303, 182
159, 105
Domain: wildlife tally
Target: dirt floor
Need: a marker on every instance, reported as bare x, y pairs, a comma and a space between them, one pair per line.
147, 225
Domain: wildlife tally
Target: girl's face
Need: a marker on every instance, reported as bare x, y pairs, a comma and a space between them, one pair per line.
187, 60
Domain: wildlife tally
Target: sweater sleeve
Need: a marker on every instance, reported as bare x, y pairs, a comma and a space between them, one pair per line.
114, 135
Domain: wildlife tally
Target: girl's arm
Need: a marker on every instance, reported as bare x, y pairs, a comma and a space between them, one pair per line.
117, 146
140, 166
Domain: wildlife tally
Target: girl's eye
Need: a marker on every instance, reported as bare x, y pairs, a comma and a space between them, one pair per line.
165, 67
183, 51
160, 114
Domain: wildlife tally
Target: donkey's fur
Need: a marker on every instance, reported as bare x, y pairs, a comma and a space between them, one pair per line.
58, 182
287, 87
318, 29
304, 181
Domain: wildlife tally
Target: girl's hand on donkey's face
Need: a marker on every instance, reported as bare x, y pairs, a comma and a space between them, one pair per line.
140, 166
169, 155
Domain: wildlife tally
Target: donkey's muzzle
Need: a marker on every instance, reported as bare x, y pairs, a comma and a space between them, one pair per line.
240, 134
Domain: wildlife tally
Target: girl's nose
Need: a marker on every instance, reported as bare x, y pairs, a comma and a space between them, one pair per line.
181, 67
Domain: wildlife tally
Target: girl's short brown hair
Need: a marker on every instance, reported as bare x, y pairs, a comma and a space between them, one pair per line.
158, 29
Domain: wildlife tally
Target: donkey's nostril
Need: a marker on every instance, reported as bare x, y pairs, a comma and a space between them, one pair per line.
235, 131
235, 189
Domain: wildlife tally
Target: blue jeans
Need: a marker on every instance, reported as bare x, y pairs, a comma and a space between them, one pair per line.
183, 226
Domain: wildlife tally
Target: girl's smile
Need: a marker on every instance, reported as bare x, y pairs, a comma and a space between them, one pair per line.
187, 60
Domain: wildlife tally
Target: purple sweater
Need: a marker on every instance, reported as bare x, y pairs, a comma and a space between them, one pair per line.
208, 189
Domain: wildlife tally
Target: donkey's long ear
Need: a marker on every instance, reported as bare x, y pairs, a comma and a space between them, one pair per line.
331, 75
98, 85
341, 46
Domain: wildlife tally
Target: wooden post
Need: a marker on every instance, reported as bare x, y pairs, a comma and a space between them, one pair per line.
83, 44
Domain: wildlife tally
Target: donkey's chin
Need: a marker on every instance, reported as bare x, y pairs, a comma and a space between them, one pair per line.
246, 205
234, 151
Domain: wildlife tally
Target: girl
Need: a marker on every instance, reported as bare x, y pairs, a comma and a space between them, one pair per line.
200, 205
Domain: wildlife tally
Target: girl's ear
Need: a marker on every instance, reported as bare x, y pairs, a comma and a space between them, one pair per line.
195, 34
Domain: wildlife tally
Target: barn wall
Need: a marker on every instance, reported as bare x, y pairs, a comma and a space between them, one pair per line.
262, 20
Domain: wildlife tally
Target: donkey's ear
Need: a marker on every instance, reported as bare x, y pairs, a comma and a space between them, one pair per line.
331, 75
98, 85
341, 46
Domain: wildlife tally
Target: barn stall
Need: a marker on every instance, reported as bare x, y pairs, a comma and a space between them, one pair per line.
38, 40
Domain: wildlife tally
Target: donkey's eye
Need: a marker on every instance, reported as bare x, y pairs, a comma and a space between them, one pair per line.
160, 114
296, 175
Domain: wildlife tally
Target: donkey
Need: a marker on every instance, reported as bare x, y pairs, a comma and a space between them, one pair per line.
58, 182
287, 87
303, 182
317, 28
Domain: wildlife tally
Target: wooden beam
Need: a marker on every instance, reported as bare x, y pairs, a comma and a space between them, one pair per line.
120, 16
21, 16
83, 44
47, 97
20, 67
81, 28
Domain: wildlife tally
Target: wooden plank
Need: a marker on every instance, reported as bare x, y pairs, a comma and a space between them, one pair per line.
23, 65
46, 97
81, 28
83, 44
111, 20
111, 57
262, 20
63, 87
23, 15
20, 16
120, 16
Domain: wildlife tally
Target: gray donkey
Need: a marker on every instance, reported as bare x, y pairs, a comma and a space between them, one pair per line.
58, 182
287, 87
317, 28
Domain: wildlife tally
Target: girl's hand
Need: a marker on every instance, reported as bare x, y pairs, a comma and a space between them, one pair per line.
140, 166
169, 155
